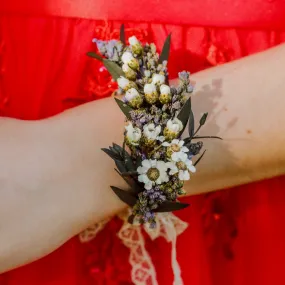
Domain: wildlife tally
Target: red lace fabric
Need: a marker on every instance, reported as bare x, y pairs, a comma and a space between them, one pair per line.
234, 236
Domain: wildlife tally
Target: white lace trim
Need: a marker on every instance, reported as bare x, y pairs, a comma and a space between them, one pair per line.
143, 271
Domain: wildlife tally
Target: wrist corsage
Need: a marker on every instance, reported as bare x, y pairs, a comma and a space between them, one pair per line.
154, 160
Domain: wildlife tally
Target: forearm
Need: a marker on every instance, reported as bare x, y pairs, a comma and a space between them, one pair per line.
57, 183
245, 100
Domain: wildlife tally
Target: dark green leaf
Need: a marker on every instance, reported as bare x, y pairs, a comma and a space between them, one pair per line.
196, 162
191, 124
131, 182
165, 50
203, 119
118, 149
131, 219
138, 162
125, 196
183, 116
207, 137
114, 69
170, 206
122, 34
95, 55
129, 162
121, 166
129, 173
112, 154
124, 107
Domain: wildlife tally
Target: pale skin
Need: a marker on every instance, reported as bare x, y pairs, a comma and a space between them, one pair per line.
54, 179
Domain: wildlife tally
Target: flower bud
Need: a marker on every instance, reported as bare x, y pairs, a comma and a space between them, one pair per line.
158, 79
165, 95
133, 135
153, 48
127, 58
150, 92
151, 133
129, 73
173, 128
125, 84
136, 46
133, 98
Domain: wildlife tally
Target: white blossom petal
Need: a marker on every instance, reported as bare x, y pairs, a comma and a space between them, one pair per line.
148, 185
184, 149
146, 163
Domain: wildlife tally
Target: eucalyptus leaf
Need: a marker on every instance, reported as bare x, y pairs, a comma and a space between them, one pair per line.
122, 34
127, 197
183, 116
131, 182
131, 219
203, 119
114, 69
165, 50
95, 55
121, 166
129, 162
124, 107
129, 173
118, 149
201, 156
112, 154
170, 206
207, 137
191, 124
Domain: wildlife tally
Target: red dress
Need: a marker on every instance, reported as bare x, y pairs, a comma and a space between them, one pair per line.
235, 236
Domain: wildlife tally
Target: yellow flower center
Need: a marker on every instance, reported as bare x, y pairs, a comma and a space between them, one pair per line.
175, 147
153, 174
181, 165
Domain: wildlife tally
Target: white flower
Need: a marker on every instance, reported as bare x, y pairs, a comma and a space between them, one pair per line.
131, 94
127, 57
182, 166
147, 73
164, 89
158, 79
133, 134
177, 150
174, 125
123, 82
149, 89
151, 132
152, 172
133, 41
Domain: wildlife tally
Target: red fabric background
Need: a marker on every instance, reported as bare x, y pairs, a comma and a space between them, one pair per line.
235, 236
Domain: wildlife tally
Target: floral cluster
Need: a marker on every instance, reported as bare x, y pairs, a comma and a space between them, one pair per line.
154, 159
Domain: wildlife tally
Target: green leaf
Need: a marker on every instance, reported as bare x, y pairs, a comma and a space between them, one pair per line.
122, 34
196, 162
121, 166
125, 196
129, 173
118, 149
183, 116
114, 69
170, 206
112, 154
125, 108
95, 55
131, 182
191, 124
207, 137
203, 119
131, 219
165, 50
